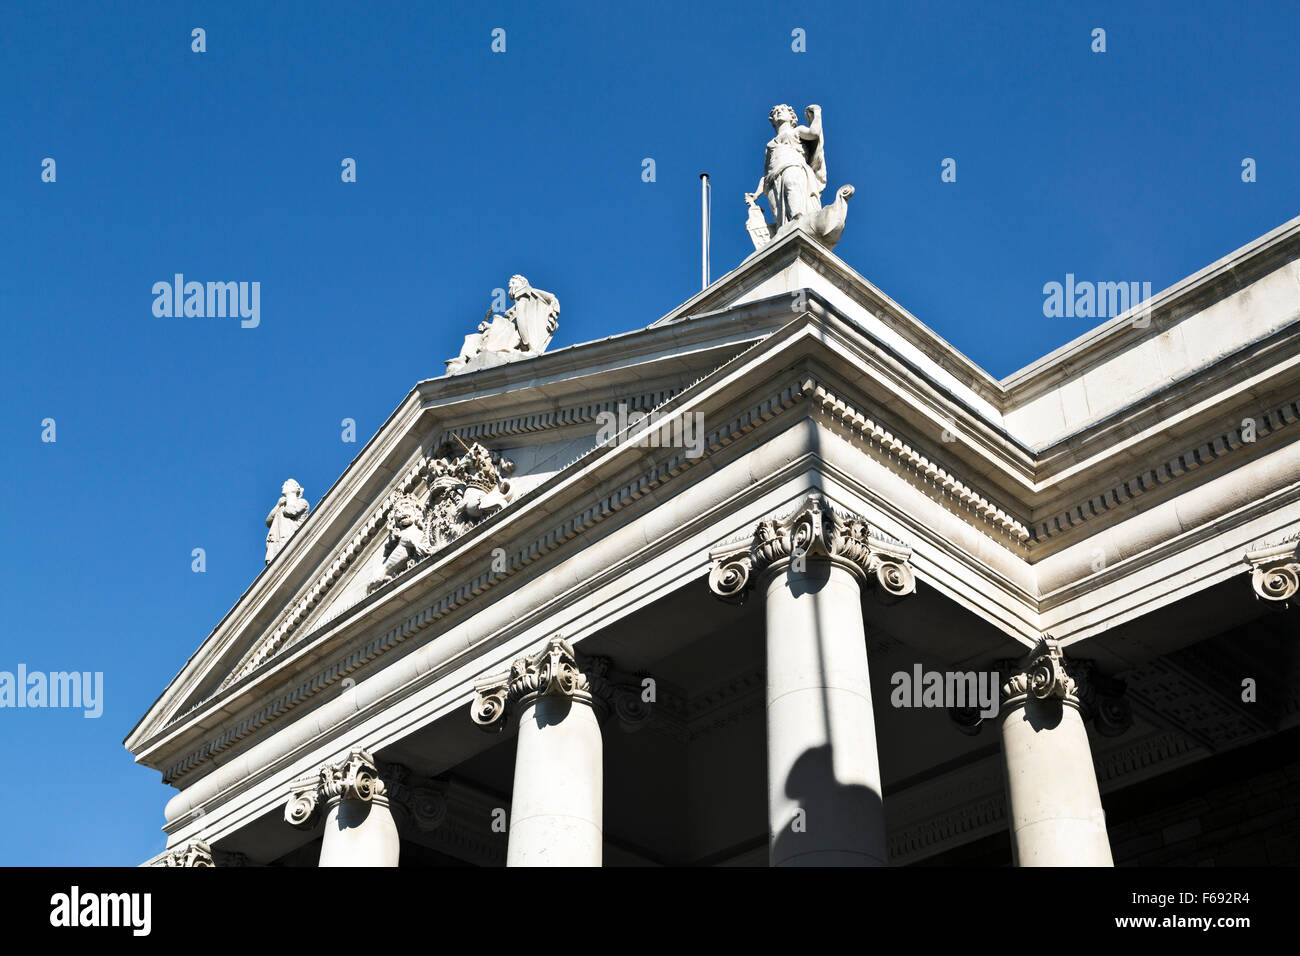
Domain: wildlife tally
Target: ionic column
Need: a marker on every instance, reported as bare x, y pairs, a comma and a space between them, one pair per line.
824, 794
359, 827
556, 808
1053, 802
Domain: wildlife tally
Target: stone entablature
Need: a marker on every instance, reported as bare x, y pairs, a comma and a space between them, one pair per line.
341, 647
677, 462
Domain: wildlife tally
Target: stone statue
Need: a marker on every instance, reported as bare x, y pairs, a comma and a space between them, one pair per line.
523, 332
794, 175
285, 517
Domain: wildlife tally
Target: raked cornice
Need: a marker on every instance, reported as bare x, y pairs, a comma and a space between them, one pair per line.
1011, 468
796, 343
828, 403
945, 486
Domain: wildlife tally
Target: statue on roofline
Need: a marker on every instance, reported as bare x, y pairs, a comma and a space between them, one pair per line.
522, 332
794, 175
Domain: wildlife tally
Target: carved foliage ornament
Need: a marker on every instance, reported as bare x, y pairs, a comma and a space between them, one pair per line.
354, 778
814, 531
196, 853
1050, 675
1275, 571
552, 671
556, 670
465, 485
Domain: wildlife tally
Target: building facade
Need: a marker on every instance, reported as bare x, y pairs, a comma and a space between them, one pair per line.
781, 578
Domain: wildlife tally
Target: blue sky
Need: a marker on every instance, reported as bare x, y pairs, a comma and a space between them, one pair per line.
175, 433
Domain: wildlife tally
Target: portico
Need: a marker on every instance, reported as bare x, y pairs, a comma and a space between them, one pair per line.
513, 635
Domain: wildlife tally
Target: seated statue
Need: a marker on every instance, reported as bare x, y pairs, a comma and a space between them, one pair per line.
522, 332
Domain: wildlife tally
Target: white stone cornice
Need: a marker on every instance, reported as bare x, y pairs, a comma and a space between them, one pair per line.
816, 531
1275, 571
462, 588
355, 777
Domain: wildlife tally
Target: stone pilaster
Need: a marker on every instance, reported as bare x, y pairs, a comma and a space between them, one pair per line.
418, 804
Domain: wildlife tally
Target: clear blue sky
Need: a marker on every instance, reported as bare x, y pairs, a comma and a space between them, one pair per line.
176, 433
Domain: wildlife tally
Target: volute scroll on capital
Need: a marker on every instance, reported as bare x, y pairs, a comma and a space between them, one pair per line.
1275, 571
1050, 675
195, 853
355, 777
557, 671
815, 531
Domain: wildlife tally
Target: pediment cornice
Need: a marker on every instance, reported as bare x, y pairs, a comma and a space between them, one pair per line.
893, 404
575, 501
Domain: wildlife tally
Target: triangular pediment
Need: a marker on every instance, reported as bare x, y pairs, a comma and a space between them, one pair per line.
792, 324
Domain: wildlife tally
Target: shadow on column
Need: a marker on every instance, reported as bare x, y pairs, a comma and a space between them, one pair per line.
811, 838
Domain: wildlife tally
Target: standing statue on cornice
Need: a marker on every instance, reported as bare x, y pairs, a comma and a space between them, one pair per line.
522, 332
285, 517
794, 175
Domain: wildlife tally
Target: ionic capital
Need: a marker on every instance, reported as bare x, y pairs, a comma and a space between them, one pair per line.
1049, 674
1046, 675
551, 672
1275, 571
355, 777
195, 853
815, 531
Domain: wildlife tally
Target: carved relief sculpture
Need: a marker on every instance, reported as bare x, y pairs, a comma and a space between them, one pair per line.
522, 332
285, 518
463, 489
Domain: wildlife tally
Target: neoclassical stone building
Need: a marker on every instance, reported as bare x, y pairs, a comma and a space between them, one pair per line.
657, 598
